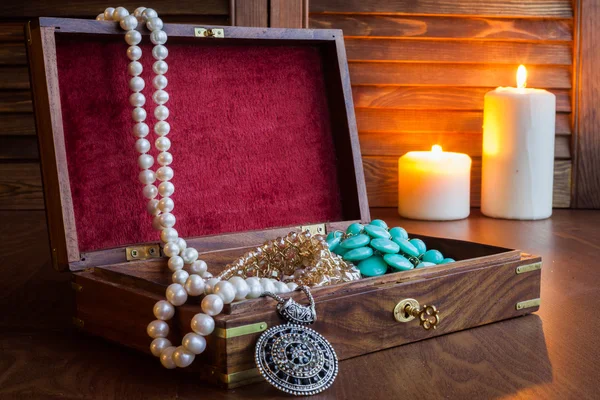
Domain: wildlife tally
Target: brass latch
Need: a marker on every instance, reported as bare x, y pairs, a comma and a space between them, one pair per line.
209, 32
409, 309
317, 229
142, 252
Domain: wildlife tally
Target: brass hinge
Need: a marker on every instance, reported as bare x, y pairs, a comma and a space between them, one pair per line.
209, 32
528, 268
235, 377
78, 322
137, 253
317, 229
76, 287
240, 330
527, 304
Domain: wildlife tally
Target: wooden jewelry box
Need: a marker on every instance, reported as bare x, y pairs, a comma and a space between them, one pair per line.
264, 142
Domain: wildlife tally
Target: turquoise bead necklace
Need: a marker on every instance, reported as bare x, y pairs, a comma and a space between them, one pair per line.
377, 249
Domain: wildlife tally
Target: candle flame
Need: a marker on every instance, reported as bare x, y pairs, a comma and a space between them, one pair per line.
521, 77
436, 148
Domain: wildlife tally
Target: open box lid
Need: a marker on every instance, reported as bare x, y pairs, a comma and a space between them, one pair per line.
263, 136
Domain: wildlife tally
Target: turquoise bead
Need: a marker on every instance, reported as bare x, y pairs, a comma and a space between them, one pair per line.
399, 233
355, 229
377, 232
372, 266
424, 264
380, 223
398, 262
355, 241
385, 246
333, 234
420, 245
333, 243
358, 254
340, 251
406, 247
447, 261
432, 256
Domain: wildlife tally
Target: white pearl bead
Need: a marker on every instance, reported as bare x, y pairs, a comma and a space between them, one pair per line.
142, 145
198, 267
206, 275
212, 304
166, 204
157, 328
136, 83
149, 13
194, 343
292, 286
241, 287
158, 345
175, 263
108, 13
209, 285
169, 235
176, 294
161, 113
156, 225
147, 177
183, 357
133, 37
182, 244
138, 114
165, 158
253, 281
154, 24
160, 67
137, 99
189, 255
140, 130
152, 207
129, 22
160, 82
120, 13
100, 17
134, 53
255, 291
168, 221
162, 128
150, 191
162, 143
171, 249
267, 285
194, 285
158, 37
166, 189
180, 276
135, 68
160, 52
166, 358
203, 324
160, 97
163, 310
145, 161
281, 287
225, 291
164, 173
138, 12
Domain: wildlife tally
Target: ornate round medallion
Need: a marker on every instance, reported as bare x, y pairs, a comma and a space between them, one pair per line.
296, 359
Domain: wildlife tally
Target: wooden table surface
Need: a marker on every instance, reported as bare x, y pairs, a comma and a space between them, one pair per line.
553, 354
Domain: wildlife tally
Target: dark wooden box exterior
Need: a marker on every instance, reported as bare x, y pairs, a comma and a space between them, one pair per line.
114, 298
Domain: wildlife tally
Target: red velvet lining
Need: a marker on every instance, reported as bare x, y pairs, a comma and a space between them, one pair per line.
250, 137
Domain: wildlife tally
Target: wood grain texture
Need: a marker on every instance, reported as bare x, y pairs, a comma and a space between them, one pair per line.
15, 102
534, 8
455, 75
287, 13
381, 174
14, 78
421, 26
458, 51
250, 13
12, 32
13, 54
21, 187
22, 124
18, 148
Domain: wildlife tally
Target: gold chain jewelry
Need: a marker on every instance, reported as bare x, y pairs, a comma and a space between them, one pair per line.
299, 257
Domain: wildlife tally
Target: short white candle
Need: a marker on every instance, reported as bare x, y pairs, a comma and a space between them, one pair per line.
518, 152
434, 185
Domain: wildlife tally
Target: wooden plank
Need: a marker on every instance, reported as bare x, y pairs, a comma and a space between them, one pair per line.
18, 148
286, 13
249, 13
475, 75
533, 8
89, 9
12, 32
386, 120
21, 187
458, 51
398, 143
14, 77
381, 174
17, 124
15, 102
586, 192
441, 98
13, 54
445, 27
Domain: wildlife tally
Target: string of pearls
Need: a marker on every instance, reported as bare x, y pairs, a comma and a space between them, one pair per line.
198, 281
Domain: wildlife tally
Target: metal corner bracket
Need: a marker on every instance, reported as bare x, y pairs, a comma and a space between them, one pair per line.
209, 32
240, 330
521, 269
144, 252
316, 229
527, 304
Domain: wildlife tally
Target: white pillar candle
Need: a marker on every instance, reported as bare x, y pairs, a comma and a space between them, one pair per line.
518, 152
434, 185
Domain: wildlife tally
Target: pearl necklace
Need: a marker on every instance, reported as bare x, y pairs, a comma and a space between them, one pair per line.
198, 281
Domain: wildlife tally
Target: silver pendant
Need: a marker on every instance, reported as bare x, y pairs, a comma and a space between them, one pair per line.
293, 358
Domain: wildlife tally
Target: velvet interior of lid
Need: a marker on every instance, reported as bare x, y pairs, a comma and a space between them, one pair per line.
250, 133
